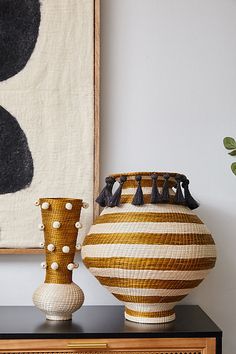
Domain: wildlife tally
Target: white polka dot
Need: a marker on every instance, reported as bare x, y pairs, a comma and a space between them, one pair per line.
85, 205
44, 265
68, 206
54, 266
45, 205
51, 247
78, 225
70, 266
41, 227
56, 224
78, 246
65, 249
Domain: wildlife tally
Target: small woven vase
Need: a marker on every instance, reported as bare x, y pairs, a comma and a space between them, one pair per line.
59, 297
147, 247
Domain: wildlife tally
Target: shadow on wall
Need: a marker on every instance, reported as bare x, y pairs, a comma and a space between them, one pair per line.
217, 293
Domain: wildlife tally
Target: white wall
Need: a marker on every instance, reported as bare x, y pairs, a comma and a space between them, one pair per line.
168, 99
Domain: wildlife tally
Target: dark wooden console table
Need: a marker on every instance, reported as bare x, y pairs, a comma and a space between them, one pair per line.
103, 329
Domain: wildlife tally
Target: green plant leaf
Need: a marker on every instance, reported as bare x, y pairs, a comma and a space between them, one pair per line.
232, 153
233, 167
229, 143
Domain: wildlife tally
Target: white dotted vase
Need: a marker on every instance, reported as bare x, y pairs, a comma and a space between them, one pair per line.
147, 247
59, 297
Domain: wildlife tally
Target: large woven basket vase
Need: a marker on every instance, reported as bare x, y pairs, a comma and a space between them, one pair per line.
59, 297
147, 247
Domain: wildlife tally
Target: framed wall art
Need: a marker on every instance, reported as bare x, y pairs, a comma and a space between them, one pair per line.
49, 113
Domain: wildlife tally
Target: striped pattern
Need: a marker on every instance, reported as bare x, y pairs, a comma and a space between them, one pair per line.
146, 197
132, 291
146, 190
149, 283
148, 298
153, 307
151, 217
189, 264
149, 274
149, 227
130, 186
157, 319
149, 251
131, 183
149, 314
149, 208
149, 257
149, 239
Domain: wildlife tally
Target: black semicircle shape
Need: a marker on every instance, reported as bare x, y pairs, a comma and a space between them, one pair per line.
16, 163
19, 28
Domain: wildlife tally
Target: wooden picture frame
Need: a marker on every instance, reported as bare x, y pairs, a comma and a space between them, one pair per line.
23, 251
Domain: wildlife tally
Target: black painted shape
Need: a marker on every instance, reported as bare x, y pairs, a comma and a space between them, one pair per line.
16, 163
19, 28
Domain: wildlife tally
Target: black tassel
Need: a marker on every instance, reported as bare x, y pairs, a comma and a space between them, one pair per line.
138, 197
115, 200
155, 196
189, 200
179, 198
165, 197
104, 197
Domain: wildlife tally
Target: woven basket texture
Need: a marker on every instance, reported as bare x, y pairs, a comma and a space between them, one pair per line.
58, 301
149, 256
59, 297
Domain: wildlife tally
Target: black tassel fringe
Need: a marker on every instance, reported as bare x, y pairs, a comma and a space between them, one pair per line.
165, 197
155, 196
189, 200
138, 197
179, 198
104, 197
115, 200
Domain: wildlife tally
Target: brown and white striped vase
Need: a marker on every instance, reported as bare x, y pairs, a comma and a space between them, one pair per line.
147, 247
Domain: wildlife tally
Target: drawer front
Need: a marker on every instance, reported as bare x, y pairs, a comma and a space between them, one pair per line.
76, 352
110, 346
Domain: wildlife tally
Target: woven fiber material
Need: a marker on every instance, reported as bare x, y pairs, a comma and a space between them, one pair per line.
130, 186
59, 297
65, 235
151, 187
150, 317
149, 255
150, 217
146, 182
58, 301
145, 175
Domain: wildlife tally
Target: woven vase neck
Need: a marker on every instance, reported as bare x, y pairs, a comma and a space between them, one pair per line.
59, 219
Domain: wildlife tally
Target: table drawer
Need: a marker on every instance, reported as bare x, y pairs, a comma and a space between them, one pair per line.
115, 346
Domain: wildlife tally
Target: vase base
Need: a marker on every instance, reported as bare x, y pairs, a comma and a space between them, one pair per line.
59, 318
58, 301
149, 317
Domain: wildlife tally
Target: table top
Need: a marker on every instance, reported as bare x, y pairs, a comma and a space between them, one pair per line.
27, 322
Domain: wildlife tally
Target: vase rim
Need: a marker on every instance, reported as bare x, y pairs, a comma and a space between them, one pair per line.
108, 198
145, 174
61, 199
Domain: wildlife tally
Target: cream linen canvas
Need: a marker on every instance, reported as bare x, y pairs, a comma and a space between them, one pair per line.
52, 99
